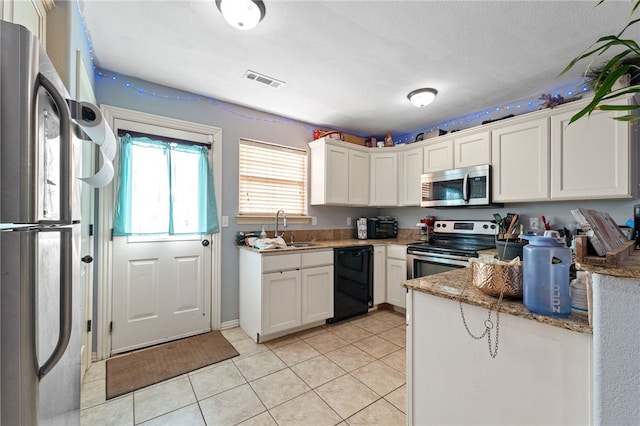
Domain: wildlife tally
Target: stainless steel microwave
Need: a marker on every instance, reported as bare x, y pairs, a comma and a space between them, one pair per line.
469, 186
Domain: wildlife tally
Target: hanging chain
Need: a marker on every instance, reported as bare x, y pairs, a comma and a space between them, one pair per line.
488, 323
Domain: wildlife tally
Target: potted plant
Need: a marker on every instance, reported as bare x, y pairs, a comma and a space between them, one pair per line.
603, 79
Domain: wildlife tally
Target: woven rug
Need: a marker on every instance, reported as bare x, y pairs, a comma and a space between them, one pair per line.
138, 369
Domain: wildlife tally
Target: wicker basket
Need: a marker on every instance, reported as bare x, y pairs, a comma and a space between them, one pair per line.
491, 278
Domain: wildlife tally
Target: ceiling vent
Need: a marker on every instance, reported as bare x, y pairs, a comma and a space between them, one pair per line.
261, 78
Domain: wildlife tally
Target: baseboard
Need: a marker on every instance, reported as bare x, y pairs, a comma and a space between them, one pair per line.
230, 324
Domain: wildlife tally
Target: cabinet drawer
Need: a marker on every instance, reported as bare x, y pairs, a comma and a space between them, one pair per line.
317, 258
280, 262
397, 252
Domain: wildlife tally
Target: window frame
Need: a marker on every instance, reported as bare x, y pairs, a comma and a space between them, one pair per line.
263, 217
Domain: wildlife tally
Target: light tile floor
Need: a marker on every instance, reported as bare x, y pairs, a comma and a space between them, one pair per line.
353, 372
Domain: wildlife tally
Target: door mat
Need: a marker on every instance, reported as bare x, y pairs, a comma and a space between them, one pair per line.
138, 369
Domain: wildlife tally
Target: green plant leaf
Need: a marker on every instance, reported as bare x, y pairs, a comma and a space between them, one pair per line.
616, 107
627, 118
614, 68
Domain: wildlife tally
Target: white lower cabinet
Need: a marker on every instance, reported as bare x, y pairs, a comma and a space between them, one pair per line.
379, 275
282, 293
396, 273
540, 376
317, 294
281, 301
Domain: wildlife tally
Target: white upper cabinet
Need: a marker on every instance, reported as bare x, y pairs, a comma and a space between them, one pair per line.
411, 170
438, 156
358, 178
534, 157
31, 14
339, 174
520, 161
472, 150
590, 157
384, 179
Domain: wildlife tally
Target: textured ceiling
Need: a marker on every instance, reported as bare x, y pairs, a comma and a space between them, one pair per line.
350, 64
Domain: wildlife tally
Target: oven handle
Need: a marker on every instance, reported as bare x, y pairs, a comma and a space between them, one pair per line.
435, 258
465, 188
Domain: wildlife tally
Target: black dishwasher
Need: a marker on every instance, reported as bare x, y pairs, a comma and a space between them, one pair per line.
352, 282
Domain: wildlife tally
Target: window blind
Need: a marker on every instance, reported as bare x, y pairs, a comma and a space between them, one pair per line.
272, 177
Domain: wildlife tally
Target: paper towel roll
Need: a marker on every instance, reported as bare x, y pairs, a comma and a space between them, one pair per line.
90, 120
102, 178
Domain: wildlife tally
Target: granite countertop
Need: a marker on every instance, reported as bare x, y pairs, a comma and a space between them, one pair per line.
330, 244
628, 268
456, 285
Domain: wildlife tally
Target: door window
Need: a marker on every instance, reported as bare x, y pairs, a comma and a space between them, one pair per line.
164, 189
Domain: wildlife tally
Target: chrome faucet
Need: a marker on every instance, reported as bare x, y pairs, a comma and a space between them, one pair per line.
284, 222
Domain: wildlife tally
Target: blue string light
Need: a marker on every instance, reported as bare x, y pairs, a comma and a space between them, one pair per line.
467, 120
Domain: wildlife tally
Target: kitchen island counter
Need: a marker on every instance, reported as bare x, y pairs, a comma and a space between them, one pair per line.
456, 285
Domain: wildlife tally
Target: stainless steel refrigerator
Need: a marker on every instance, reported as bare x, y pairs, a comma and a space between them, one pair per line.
40, 308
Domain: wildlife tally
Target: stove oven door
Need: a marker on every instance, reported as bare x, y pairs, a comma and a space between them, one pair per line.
424, 264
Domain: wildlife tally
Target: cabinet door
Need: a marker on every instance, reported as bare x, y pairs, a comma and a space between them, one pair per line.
317, 294
590, 157
337, 175
472, 150
379, 275
30, 14
411, 172
438, 156
384, 179
281, 301
358, 178
396, 273
520, 160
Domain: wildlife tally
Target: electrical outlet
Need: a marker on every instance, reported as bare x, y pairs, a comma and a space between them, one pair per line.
534, 223
348, 220
314, 220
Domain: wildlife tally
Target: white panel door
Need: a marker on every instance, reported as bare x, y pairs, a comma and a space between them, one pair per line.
384, 179
161, 290
520, 160
281, 301
590, 157
317, 294
358, 178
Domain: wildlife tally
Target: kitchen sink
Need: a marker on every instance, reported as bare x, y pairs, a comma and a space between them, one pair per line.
301, 244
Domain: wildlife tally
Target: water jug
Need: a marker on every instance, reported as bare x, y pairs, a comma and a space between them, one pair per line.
545, 280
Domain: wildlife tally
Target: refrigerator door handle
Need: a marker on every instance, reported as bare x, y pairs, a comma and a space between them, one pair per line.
66, 282
66, 163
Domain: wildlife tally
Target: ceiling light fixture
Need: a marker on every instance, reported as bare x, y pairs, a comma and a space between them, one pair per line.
242, 14
422, 97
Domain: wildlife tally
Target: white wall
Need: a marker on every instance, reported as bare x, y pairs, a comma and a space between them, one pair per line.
558, 213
